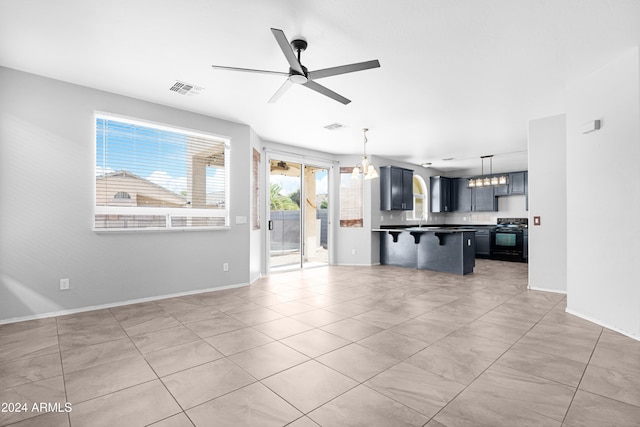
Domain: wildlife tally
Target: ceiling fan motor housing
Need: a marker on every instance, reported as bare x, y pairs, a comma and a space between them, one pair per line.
299, 44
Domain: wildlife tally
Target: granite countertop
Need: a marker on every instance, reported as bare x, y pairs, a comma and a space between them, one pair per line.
427, 229
441, 228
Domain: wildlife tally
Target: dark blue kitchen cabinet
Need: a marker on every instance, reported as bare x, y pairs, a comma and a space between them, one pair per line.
484, 200
483, 243
440, 194
396, 188
501, 190
526, 191
461, 195
517, 183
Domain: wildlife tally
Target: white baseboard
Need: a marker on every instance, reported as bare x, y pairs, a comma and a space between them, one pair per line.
555, 291
603, 324
356, 265
117, 304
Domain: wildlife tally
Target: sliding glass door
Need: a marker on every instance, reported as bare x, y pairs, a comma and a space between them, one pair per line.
285, 187
298, 215
316, 216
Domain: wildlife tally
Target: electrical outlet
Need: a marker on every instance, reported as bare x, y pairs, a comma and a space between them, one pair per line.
225, 266
353, 251
64, 284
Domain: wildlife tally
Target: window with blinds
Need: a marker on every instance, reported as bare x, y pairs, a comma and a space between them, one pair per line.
351, 199
152, 177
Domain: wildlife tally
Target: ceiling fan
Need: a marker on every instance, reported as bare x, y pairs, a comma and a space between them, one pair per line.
298, 73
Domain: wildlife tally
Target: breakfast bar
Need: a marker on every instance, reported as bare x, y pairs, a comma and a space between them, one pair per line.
444, 249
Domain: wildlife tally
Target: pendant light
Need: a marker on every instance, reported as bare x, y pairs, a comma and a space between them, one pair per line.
368, 171
489, 180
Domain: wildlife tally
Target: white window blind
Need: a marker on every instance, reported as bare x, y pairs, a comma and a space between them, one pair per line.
155, 177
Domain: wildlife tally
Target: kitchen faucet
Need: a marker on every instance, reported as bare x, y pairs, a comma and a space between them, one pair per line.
423, 217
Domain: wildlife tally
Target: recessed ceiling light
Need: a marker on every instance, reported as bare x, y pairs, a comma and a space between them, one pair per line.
426, 164
447, 159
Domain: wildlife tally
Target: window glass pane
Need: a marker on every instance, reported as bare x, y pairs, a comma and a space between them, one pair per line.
140, 166
419, 197
418, 207
351, 192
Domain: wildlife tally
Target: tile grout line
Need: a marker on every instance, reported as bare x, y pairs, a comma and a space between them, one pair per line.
582, 377
301, 287
64, 380
584, 372
496, 360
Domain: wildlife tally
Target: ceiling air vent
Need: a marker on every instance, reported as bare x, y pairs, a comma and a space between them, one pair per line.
185, 88
334, 126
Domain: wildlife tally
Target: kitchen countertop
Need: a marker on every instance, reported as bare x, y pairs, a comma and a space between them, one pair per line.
426, 229
435, 227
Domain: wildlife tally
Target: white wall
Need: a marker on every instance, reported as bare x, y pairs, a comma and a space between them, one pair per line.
548, 199
603, 196
47, 160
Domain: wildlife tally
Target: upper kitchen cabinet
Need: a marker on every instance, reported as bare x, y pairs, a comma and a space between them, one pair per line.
441, 193
517, 185
484, 199
396, 188
517, 182
478, 199
501, 190
461, 195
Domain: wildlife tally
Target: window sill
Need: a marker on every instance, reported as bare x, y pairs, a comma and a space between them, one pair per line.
157, 230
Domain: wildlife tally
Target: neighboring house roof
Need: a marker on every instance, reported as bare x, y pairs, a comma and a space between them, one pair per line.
216, 198
142, 191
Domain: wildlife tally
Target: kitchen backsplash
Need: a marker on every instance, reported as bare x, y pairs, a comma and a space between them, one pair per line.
508, 207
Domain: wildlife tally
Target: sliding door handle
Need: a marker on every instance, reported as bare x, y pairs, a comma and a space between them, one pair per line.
270, 225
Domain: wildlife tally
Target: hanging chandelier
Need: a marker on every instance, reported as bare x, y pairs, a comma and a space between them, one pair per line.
368, 171
488, 180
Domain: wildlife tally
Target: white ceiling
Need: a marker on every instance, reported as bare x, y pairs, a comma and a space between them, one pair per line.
457, 79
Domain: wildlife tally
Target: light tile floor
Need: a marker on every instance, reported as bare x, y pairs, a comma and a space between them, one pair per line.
330, 346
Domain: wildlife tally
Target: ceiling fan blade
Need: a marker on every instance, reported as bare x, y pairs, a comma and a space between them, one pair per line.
288, 52
249, 70
285, 86
325, 91
343, 69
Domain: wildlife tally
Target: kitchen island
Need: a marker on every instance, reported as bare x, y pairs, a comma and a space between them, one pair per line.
445, 249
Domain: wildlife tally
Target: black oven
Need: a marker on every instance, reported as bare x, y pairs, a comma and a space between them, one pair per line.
507, 239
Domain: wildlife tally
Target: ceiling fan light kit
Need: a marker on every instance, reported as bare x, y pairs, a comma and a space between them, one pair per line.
298, 73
